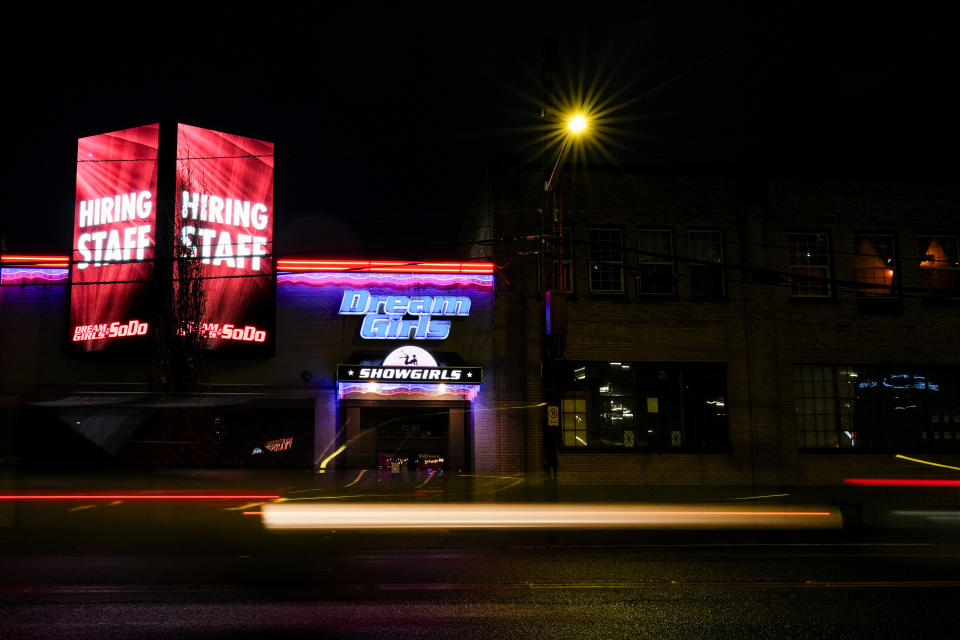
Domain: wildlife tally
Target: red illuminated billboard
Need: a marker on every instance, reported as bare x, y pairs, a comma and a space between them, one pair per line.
224, 210
114, 239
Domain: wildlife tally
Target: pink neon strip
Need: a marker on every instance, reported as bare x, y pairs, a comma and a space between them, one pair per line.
18, 275
292, 264
466, 391
137, 496
393, 279
896, 482
288, 264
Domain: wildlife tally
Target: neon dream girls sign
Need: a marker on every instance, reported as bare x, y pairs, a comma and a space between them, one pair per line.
397, 317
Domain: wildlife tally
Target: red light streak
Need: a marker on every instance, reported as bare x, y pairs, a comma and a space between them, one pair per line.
897, 482
139, 496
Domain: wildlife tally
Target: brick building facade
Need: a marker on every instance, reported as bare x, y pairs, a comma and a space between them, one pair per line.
791, 331
727, 331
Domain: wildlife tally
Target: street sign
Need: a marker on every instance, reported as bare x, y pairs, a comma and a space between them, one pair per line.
553, 416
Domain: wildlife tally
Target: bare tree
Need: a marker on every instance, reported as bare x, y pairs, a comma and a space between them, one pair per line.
181, 337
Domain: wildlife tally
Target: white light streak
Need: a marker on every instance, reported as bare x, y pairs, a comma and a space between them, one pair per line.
540, 516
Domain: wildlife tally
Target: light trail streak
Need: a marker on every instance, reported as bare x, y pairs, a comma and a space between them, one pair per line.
243, 507
901, 482
357, 479
539, 516
323, 465
138, 496
929, 515
932, 464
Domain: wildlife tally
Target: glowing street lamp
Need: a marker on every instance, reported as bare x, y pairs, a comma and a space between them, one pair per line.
576, 125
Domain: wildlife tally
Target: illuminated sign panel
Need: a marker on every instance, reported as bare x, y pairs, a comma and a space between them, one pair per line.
409, 364
372, 373
224, 210
114, 234
398, 317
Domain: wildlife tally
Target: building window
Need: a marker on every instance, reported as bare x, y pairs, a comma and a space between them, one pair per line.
575, 419
706, 263
940, 265
878, 407
656, 275
613, 423
875, 266
824, 406
644, 406
606, 260
809, 256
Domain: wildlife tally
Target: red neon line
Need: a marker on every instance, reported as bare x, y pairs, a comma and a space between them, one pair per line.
387, 266
16, 258
291, 264
333, 263
137, 496
896, 482
323, 268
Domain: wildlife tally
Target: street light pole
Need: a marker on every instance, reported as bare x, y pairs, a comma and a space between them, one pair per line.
548, 184
575, 126
555, 297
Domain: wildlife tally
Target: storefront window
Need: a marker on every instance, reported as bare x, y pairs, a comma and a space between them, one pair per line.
614, 402
644, 406
575, 420
824, 397
878, 407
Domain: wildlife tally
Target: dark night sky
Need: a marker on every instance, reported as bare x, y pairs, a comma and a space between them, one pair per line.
386, 115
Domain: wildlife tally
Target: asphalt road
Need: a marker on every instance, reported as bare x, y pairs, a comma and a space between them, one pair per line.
105, 568
488, 585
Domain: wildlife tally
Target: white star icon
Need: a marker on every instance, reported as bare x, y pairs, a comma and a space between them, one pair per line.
350, 372
469, 374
